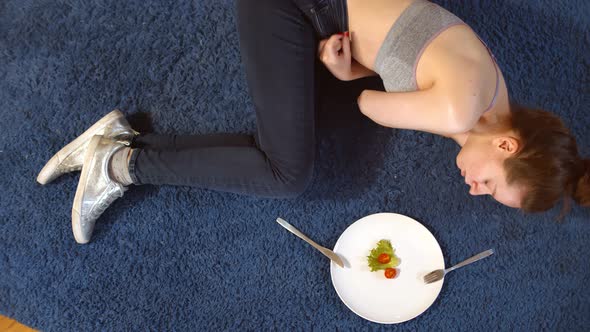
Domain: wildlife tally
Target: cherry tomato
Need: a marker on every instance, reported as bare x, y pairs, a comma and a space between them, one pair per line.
390, 273
384, 258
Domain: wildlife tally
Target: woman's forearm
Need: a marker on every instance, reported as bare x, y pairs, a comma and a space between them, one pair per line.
425, 110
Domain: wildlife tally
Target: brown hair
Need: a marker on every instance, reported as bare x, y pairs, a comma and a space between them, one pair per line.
547, 163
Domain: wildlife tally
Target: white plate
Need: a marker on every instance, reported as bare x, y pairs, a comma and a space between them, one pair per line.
369, 294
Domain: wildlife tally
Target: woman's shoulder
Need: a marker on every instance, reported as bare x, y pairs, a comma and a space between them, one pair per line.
458, 63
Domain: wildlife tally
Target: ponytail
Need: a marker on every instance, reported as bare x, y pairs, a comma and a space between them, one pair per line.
582, 189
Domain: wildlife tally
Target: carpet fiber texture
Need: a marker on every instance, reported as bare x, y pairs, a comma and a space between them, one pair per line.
189, 259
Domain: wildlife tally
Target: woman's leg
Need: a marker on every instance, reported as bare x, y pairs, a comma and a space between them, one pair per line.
182, 142
278, 49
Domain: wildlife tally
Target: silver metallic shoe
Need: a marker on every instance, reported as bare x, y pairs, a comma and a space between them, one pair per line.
70, 157
96, 189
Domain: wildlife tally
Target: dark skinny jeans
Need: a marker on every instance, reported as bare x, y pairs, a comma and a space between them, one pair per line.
278, 48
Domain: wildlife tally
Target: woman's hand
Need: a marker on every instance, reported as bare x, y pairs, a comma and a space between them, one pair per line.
335, 53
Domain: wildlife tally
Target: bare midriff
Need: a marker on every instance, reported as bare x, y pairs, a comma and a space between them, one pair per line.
369, 22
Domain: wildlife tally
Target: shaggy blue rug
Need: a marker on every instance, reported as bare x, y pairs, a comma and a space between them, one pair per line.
187, 259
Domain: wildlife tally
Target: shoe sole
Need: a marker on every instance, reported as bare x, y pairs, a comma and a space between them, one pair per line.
77, 206
47, 174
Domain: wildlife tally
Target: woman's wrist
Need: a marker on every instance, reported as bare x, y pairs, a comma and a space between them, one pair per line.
344, 76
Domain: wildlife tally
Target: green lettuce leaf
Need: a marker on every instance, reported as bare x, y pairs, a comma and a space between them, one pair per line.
383, 246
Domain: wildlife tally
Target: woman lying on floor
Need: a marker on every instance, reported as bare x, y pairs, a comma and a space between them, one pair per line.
439, 77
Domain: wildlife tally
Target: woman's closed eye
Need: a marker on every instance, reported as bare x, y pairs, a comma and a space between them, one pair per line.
491, 187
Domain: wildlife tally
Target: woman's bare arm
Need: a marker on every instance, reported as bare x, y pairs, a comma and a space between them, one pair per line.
434, 110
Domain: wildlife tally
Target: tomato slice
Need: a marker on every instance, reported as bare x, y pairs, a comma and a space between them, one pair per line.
390, 273
384, 258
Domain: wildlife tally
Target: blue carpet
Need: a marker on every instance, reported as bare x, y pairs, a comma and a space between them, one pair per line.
186, 259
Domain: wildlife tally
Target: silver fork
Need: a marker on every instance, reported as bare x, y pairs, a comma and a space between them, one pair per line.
437, 275
327, 252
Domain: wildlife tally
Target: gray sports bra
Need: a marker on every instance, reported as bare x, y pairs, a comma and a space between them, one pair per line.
407, 39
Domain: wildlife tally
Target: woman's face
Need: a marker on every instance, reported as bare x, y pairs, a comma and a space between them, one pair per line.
481, 161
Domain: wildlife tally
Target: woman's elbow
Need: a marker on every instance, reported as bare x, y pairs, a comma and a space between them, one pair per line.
363, 104
461, 120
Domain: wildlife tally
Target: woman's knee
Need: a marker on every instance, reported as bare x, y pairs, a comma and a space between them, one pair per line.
293, 182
